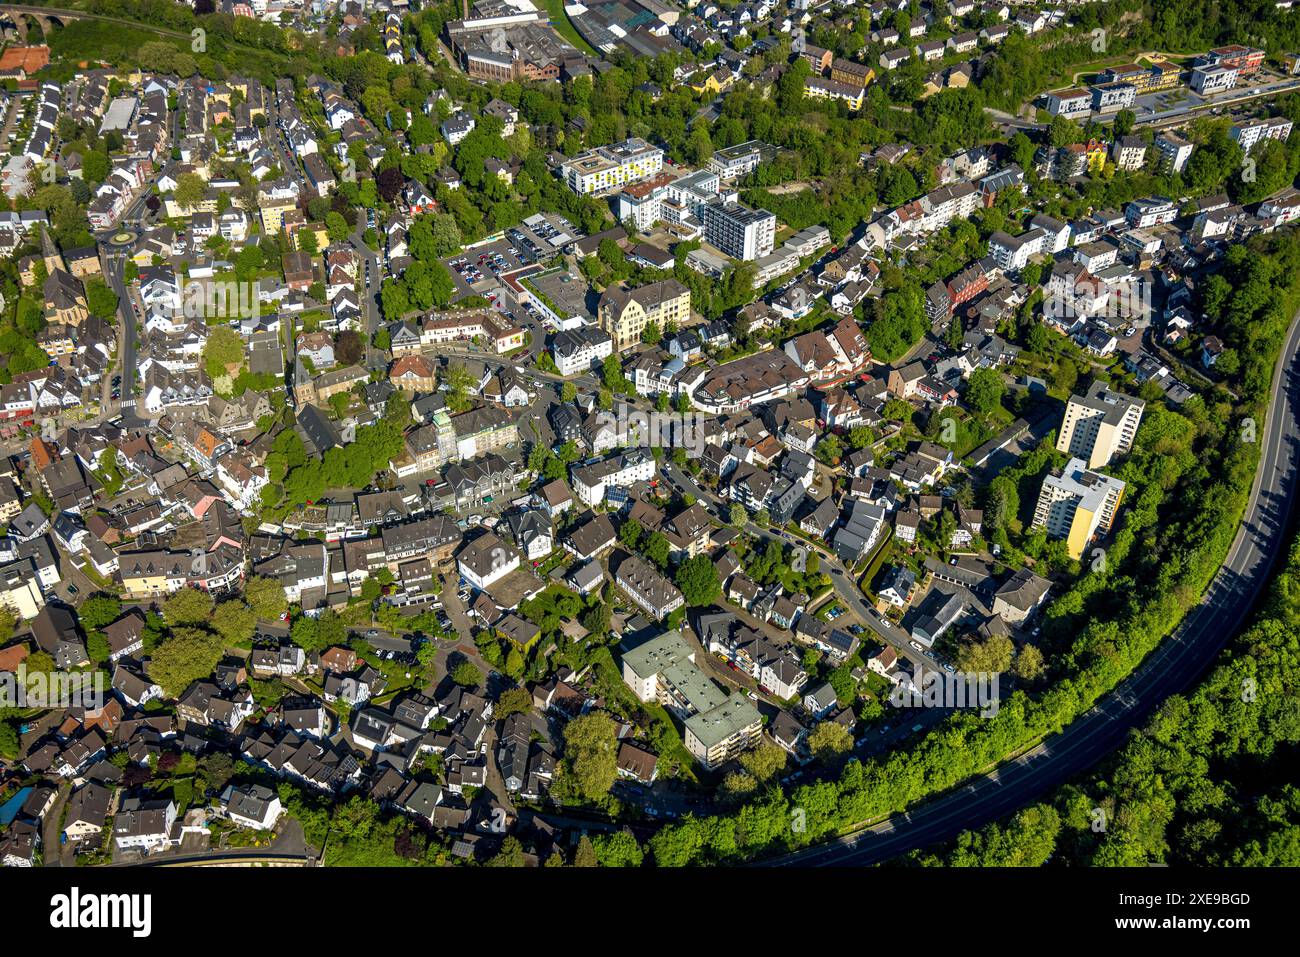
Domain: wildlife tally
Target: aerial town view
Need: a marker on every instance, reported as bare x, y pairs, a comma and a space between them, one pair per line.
649, 434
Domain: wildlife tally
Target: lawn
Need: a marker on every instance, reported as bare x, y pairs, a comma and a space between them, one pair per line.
565, 28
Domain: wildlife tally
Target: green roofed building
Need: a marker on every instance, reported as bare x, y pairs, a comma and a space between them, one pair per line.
718, 727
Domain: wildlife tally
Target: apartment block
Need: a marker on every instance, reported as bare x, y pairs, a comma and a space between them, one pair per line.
1251, 132
609, 166
717, 727
738, 231
1099, 426
1077, 504
1174, 152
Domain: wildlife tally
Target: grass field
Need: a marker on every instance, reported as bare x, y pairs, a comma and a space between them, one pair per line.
564, 27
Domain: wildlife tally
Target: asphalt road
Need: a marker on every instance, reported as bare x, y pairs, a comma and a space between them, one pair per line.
1179, 661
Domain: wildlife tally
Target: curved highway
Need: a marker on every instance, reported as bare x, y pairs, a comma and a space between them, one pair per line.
1179, 660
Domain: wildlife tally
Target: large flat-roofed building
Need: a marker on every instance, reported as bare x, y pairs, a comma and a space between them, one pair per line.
1146, 79
609, 166
1174, 152
638, 27
1249, 132
1208, 80
559, 295
1246, 59
1113, 97
715, 737
738, 231
733, 162
644, 663
1099, 426
718, 727
1077, 504
1069, 103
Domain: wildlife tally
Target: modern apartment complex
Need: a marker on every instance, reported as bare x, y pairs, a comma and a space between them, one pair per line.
1250, 132
733, 162
740, 232
1099, 426
1077, 504
609, 166
1174, 152
717, 727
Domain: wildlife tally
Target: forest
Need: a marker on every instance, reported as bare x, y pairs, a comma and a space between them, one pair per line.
1212, 780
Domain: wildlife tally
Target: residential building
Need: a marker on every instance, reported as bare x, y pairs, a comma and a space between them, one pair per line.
1099, 425
1076, 504
609, 166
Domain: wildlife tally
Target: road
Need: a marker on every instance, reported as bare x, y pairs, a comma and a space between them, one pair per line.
1245, 94
114, 260
1179, 661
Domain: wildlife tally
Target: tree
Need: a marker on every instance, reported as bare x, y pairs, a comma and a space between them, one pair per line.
860, 436
189, 606
765, 762
612, 374
618, 849
511, 854
829, 740
590, 756
984, 391
512, 701
829, 450
235, 622
466, 674
349, 347
101, 300
736, 515
336, 226
188, 655
190, 190
459, 384
697, 578
584, 855
986, 657
1029, 664
96, 612
568, 392
266, 597
656, 548
97, 649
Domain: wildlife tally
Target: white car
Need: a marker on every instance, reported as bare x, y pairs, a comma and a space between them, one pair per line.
916, 646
